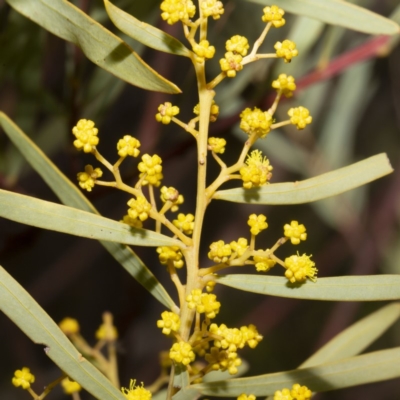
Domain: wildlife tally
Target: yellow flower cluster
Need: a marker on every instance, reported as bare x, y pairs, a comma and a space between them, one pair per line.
274, 14
128, 146
263, 263
86, 135
172, 195
87, 179
69, 326
70, 386
133, 222
244, 396
217, 145
182, 352
151, 170
139, 208
257, 223
223, 360
165, 113
300, 117
299, 268
231, 64
203, 51
170, 253
214, 111
220, 252
136, 392
295, 232
177, 10
285, 84
212, 8
238, 248
297, 392
106, 332
238, 45
203, 303
169, 322
286, 50
255, 122
23, 377
257, 171
185, 223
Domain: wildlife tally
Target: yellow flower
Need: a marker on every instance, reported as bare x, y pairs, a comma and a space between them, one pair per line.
275, 15
214, 111
255, 121
136, 392
231, 64
223, 360
133, 222
285, 84
128, 146
166, 112
139, 208
177, 10
181, 352
300, 117
295, 232
220, 252
263, 263
185, 223
257, 171
244, 396
106, 333
217, 145
239, 247
300, 392
86, 135
283, 394
23, 377
286, 49
169, 322
257, 223
203, 303
70, 386
69, 326
87, 179
170, 253
299, 268
151, 170
238, 45
203, 50
212, 8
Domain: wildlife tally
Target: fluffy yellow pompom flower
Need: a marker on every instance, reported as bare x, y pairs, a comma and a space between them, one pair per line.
231, 64
86, 135
136, 392
244, 396
239, 247
203, 303
257, 223
212, 8
286, 49
238, 45
69, 326
87, 179
166, 112
263, 263
104, 333
217, 145
214, 111
255, 121
177, 10
251, 336
300, 117
185, 223
128, 146
139, 208
151, 170
70, 386
295, 232
257, 171
283, 394
275, 15
170, 253
23, 377
203, 50
169, 322
300, 392
181, 352
219, 252
299, 268
285, 84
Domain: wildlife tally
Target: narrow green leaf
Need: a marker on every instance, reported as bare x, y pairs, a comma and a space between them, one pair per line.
313, 189
100, 46
23, 310
70, 195
341, 13
145, 33
59, 218
357, 337
367, 368
343, 288
181, 376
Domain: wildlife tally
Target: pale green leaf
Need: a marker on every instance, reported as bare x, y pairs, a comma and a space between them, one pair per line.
313, 189
70, 195
145, 33
341, 13
367, 368
23, 310
343, 288
181, 376
100, 46
357, 337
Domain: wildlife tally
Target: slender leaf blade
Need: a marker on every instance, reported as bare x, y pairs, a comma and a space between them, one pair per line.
313, 189
23, 310
344, 288
70, 195
100, 46
145, 33
341, 13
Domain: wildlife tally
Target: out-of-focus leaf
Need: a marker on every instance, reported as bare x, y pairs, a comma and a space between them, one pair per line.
357, 337
339, 12
23, 310
181, 377
145, 33
71, 196
320, 187
100, 46
367, 368
214, 376
343, 288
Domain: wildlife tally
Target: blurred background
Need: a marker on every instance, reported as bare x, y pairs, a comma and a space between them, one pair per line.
351, 84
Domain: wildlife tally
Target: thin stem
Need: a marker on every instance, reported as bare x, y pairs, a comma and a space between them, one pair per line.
279, 124
177, 282
50, 387
101, 159
216, 80
256, 57
276, 102
186, 127
260, 40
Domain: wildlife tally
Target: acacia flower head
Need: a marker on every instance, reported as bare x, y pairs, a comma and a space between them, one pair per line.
170, 253
165, 112
212, 8
136, 392
177, 10
151, 170
69, 326
217, 145
172, 195
295, 232
86, 135
298, 268
133, 222
223, 360
87, 179
203, 51
203, 303
251, 336
139, 208
70, 386
106, 332
169, 322
220, 252
274, 14
263, 263
244, 396
257, 223
283, 394
231, 64
286, 50
210, 285
285, 84
182, 352
300, 117
238, 247
255, 121
128, 146
238, 45
300, 392
257, 171
23, 377
185, 223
